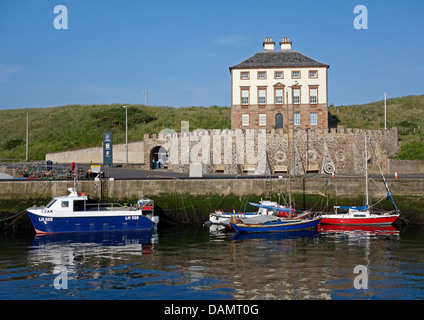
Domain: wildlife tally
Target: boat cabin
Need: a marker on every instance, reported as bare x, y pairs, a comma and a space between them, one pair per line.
72, 202
77, 202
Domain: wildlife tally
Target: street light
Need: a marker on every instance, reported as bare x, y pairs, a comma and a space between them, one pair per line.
126, 132
26, 147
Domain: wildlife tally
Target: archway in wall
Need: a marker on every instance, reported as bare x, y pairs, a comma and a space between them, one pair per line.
279, 121
158, 158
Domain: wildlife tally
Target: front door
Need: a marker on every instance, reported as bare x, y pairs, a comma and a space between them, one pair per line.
279, 123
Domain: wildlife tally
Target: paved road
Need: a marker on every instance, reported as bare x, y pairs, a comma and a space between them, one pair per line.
125, 173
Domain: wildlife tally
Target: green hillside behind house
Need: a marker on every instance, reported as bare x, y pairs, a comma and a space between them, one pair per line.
405, 113
81, 126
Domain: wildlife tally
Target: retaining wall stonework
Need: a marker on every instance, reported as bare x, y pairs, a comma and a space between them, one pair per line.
266, 151
123, 189
254, 151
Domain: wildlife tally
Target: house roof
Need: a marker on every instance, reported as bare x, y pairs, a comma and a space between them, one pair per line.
276, 59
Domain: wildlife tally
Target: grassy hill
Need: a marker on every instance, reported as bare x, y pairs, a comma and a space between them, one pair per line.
406, 113
81, 126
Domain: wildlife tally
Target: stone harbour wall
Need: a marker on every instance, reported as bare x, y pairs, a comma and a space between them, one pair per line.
266, 151
252, 151
95, 155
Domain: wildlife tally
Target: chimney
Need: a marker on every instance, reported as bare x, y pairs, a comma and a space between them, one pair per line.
285, 44
268, 44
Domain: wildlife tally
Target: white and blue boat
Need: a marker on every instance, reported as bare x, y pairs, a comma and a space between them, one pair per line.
274, 224
75, 213
223, 218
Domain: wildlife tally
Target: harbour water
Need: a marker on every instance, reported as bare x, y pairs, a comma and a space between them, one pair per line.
188, 263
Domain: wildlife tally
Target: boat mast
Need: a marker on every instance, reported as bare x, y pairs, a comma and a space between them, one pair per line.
366, 171
288, 150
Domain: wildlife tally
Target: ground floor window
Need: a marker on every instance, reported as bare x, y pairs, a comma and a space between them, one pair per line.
245, 120
297, 119
313, 121
262, 119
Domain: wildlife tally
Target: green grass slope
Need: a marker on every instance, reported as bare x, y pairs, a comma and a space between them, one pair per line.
406, 113
81, 126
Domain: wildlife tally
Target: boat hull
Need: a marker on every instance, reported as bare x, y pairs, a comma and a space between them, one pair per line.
48, 224
282, 225
376, 220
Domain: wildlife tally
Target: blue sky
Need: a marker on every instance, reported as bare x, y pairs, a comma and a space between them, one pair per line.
180, 51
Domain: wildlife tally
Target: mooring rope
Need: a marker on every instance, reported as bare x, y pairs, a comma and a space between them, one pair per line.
21, 213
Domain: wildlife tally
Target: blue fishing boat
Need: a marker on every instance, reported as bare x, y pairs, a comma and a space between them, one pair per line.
265, 207
274, 224
75, 213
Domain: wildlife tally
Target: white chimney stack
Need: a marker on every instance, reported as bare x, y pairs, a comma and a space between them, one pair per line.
268, 44
285, 44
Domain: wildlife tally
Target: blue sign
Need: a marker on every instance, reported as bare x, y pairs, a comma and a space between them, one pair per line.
107, 148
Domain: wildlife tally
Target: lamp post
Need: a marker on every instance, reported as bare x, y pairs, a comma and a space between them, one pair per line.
385, 127
126, 133
26, 146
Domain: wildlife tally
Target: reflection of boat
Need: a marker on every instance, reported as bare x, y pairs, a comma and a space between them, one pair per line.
119, 238
76, 248
273, 224
275, 236
75, 213
364, 215
349, 228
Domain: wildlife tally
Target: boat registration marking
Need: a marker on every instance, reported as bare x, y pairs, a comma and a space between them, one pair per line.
131, 217
45, 219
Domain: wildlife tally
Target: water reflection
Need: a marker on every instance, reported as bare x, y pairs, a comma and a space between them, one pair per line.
363, 230
192, 263
77, 248
312, 264
277, 236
